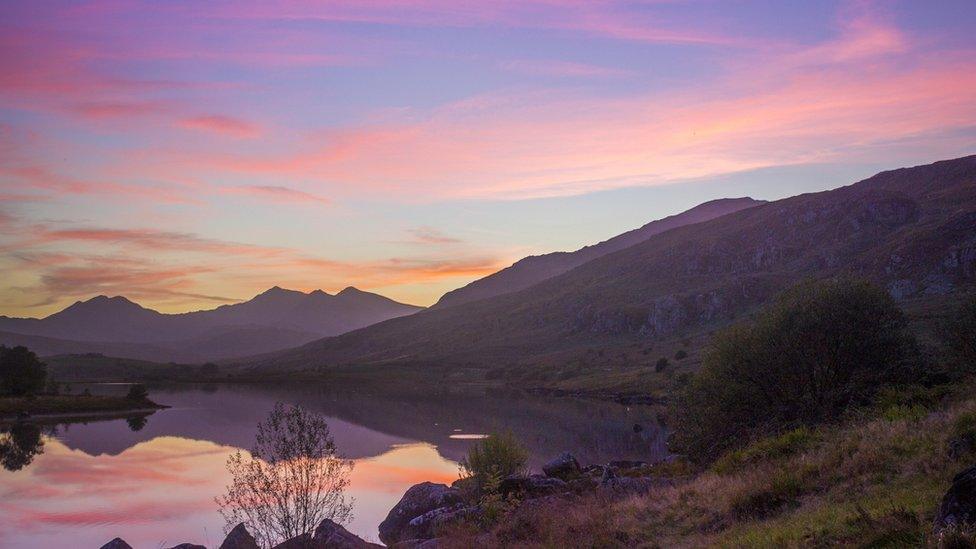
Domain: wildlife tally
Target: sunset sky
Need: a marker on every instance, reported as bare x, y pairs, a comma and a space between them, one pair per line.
190, 154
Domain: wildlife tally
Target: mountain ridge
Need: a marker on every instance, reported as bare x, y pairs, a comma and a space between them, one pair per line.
912, 230
536, 268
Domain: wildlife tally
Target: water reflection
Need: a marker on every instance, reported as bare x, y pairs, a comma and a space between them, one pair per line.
154, 483
19, 443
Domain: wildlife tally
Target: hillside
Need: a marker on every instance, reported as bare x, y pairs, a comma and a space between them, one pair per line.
275, 319
912, 230
534, 269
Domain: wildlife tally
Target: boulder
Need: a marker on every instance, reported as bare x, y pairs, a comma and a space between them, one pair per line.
329, 535
117, 543
961, 446
303, 541
426, 525
239, 538
564, 467
532, 486
419, 499
958, 508
188, 546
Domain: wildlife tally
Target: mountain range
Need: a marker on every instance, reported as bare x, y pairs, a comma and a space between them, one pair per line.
275, 319
911, 230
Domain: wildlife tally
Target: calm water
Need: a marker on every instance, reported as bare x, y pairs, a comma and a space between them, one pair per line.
154, 484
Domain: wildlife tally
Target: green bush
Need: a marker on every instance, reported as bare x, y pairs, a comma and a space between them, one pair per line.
493, 458
819, 349
21, 373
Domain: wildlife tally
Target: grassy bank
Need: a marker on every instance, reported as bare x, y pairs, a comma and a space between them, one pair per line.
71, 404
873, 481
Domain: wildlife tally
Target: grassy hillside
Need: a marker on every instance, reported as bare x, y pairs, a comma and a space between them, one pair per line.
875, 480
911, 230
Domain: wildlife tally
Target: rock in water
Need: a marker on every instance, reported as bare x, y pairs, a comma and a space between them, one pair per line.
563, 467
117, 543
958, 508
239, 538
419, 499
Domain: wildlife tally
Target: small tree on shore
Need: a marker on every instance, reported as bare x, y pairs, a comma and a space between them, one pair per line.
138, 392
493, 458
291, 480
21, 373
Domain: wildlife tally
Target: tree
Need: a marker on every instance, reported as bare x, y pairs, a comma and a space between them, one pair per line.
292, 479
21, 372
819, 349
138, 392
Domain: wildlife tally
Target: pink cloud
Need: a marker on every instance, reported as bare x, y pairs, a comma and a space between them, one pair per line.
561, 68
226, 125
276, 193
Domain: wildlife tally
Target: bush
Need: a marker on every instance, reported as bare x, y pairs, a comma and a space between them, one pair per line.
680, 355
21, 372
662, 364
138, 392
493, 458
819, 349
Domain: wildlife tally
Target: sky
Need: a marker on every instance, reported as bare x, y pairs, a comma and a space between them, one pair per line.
190, 154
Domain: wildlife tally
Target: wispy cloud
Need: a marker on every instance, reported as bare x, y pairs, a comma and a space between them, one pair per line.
226, 125
276, 193
430, 235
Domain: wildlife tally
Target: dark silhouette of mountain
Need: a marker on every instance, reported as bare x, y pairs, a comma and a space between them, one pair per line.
911, 230
275, 319
534, 269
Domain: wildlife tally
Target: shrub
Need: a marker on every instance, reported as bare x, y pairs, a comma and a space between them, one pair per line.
21, 372
662, 364
493, 458
680, 355
819, 349
138, 392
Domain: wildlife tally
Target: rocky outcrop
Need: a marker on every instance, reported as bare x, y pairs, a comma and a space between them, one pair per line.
418, 500
958, 508
564, 467
532, 486
239, 538
117, 543
328, 535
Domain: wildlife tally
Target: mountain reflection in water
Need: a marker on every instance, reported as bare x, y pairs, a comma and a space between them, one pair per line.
153, 482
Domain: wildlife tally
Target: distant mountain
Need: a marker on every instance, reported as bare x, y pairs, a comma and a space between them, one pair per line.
911, 230
535, 269
275, 319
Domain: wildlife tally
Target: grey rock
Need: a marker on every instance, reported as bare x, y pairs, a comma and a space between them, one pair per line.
117, 543
188, 546
958, 508
419, 499
426, 525
239, 538
961, 446
532, 486
564, 467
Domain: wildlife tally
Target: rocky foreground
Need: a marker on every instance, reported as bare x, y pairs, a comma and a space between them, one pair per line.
428, 510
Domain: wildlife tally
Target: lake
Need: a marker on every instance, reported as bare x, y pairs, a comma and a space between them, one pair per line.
153, 481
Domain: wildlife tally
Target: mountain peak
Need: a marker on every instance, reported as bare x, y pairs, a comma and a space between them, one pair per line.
350, 290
